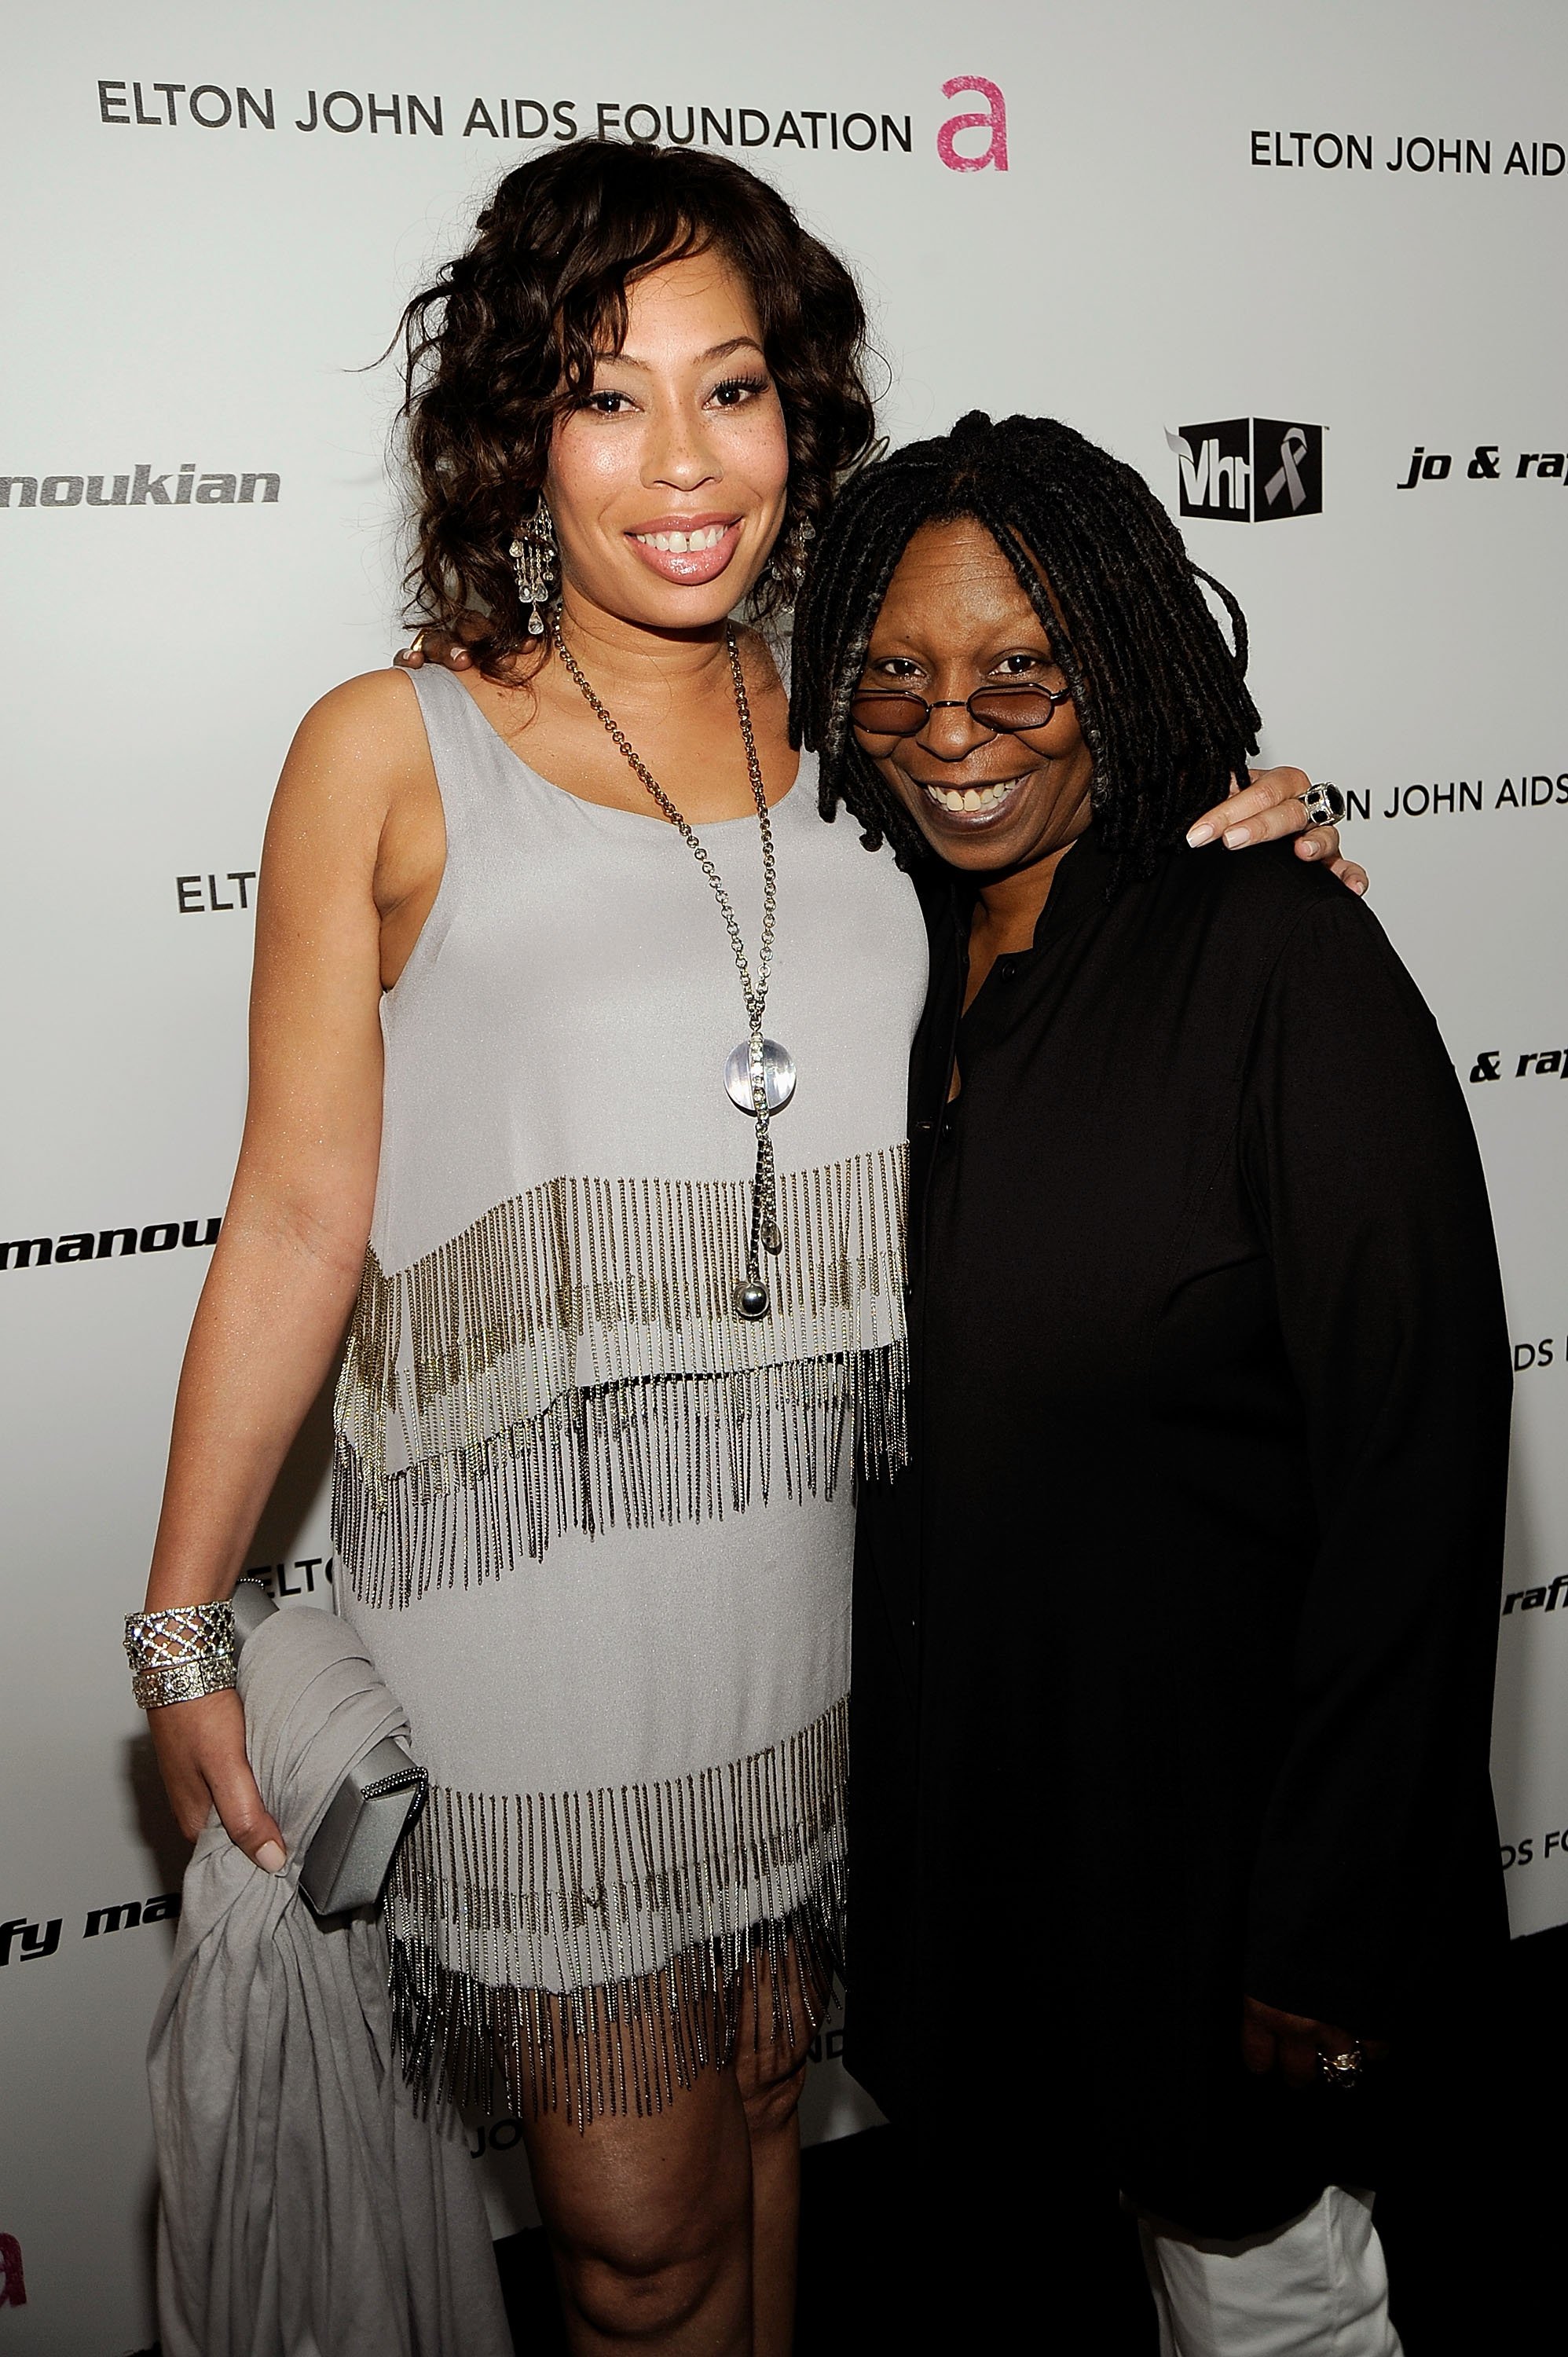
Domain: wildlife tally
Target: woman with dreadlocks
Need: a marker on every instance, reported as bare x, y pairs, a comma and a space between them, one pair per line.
1173, 1646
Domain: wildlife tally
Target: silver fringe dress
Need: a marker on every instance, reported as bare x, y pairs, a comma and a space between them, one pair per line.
596, 1530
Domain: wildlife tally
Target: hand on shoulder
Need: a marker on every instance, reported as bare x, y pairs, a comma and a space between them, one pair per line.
430, 645
1273, 804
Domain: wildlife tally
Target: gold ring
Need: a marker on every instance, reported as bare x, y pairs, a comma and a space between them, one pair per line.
418, 641
1341, 2069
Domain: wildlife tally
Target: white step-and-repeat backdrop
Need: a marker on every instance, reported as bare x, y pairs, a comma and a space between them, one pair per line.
1300, 264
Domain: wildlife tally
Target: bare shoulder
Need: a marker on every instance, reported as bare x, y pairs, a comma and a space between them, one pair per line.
359, 750
366, 722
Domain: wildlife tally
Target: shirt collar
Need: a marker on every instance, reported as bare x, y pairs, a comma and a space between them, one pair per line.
1080, 884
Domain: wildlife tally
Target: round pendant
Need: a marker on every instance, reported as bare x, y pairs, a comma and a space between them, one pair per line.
778, 1076
751, 1299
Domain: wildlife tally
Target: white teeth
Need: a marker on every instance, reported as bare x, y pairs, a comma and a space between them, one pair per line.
970, 798
683, 543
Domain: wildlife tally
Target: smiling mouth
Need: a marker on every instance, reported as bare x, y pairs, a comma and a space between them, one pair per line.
691, 554
972, 803
684, 543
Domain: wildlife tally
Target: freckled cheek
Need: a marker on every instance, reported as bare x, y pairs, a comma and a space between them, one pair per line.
759, 456
587, 472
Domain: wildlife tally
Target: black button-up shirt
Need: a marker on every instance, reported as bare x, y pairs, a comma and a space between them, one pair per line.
1173, 1652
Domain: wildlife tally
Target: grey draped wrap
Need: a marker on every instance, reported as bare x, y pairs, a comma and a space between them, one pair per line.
307, 2210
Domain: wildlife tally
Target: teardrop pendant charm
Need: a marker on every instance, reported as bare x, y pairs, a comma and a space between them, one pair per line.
751, 1299
535, 626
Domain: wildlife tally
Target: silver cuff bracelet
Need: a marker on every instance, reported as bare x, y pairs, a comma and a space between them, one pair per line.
181, 1653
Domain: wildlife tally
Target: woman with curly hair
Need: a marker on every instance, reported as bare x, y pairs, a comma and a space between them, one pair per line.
579, 1056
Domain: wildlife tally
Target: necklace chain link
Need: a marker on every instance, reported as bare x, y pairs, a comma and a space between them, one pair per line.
763, 1234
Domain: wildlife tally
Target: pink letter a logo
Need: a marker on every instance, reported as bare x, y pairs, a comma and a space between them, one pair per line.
994, 120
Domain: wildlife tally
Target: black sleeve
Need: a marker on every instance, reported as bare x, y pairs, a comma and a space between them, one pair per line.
1360, 1154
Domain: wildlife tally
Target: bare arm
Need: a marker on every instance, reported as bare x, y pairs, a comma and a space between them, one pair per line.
287, 1263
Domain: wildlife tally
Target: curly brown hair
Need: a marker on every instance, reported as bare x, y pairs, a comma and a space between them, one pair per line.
505, 340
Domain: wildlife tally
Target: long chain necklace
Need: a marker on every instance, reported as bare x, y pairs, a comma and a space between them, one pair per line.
760, 1075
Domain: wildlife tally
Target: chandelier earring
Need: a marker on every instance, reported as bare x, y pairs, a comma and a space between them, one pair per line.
535, 560
787, 561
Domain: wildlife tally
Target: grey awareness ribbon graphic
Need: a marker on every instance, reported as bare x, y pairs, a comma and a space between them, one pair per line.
1292, 447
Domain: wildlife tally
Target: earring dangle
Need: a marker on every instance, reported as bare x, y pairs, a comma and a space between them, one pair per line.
787, 561
534, 559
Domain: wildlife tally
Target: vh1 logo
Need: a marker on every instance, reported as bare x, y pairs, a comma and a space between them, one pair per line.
1249, 469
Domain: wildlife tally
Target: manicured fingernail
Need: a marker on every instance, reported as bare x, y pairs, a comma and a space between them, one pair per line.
1358, 886
270, 1857
1235, 836
1309, 850
1197, 835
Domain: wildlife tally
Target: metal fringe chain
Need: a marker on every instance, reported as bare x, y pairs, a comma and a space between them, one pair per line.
570, 1361
587, 1952
752, 1298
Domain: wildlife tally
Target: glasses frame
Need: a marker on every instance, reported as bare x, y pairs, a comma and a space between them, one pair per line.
1054, 696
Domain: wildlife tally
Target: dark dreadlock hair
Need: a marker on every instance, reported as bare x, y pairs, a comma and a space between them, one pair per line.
1160, 696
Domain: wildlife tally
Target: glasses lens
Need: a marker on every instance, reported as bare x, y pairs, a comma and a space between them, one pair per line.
882, 713
1024, 707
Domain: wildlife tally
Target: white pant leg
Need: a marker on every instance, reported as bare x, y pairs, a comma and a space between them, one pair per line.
1315, 2287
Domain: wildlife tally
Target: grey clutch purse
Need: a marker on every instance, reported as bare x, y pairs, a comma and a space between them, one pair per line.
351, 1851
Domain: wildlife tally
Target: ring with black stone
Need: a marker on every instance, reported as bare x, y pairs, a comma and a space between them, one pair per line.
1324, 805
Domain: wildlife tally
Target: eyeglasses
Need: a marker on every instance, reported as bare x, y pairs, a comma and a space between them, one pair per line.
1006, 709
